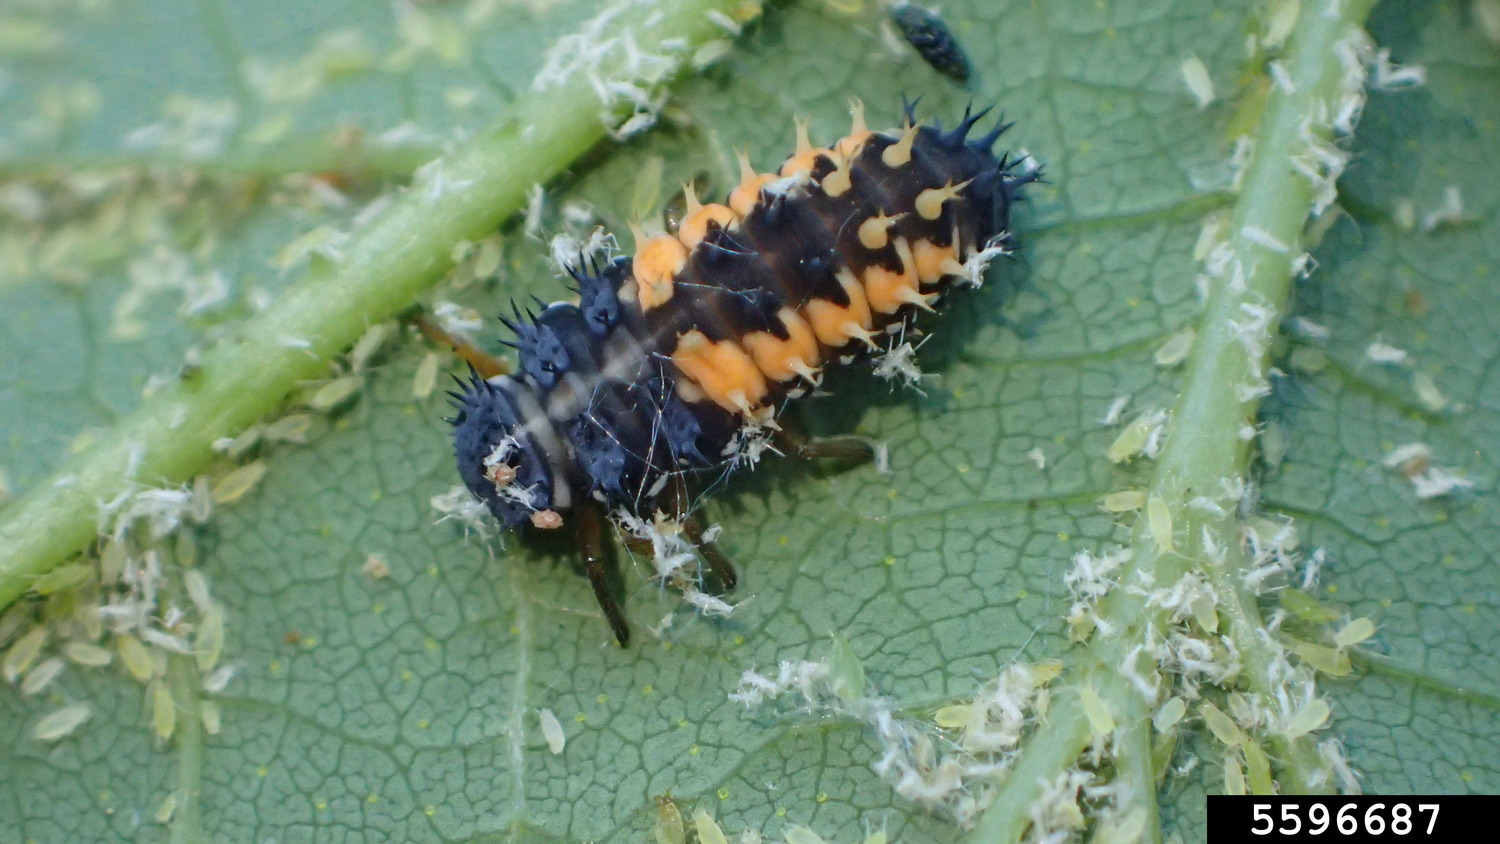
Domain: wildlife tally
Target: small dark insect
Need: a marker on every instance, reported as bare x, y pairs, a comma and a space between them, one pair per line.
668, 372
932, 38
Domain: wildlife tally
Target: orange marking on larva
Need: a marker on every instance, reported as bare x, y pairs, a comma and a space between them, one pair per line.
694, 226
805, 157
831, 322
628, 291
930, 202
932, 259
689, 391
547, 519
838, 182
726, 373
657, 261
744, 198
783, 360
887, 291
849, 145
874, 232
899, 153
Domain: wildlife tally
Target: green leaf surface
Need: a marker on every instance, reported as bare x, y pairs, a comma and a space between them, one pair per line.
407, 707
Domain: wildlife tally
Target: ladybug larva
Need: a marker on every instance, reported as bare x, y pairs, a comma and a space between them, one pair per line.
670, 368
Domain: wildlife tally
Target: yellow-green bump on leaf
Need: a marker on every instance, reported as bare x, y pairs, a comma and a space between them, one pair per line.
88, 654
238, 482
1308, 717
1159, 522
211, 716
1222, 726
1330, 661
163, 710
40, 677
668, 828
62, 722
1168, 714
952, 717
135, 656
1257, 769
1124, 501
798, 834
23, 653
1100, 719
63, 578
708, 828
846, 674
209, 644
1234, 773
1354, 632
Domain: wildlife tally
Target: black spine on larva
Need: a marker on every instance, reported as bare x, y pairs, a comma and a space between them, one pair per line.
598, 295
796, 246
596, 410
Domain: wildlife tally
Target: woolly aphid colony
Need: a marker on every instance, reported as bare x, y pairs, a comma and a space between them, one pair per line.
669, 370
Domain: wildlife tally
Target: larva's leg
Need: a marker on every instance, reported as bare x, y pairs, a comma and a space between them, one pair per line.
588, 531
677, 504
722, 568
851, 449
486, 364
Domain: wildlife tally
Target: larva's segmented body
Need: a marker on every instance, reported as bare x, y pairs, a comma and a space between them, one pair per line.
676, 361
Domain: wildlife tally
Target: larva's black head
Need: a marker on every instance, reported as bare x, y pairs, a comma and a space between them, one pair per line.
499, 459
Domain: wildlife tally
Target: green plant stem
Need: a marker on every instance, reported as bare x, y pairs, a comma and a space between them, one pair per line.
381, 270
1133, 768
187, 820
1053, 748
296, 155
1204, 448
